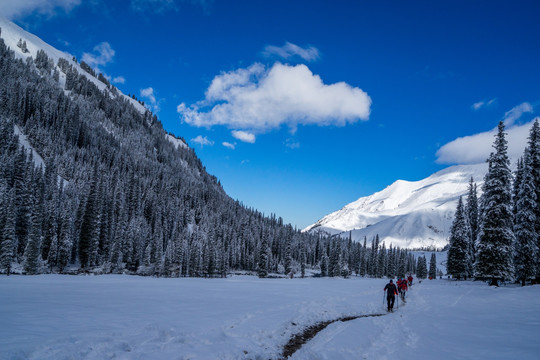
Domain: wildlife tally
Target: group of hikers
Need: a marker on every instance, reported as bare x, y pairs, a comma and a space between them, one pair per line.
394, 289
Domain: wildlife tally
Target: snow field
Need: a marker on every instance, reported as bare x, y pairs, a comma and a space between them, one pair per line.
442, 319
129, 317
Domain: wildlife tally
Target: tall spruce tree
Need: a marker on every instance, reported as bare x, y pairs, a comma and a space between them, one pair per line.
433, 266
421, 267
534, 154
459, 262
32, 251
263, 257
472, 217
495, 249
7, 246
89, 234
525, 219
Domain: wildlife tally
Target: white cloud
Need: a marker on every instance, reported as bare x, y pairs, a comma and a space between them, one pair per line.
119, 80
244, 136
13, 9
150, 96
202, 141
229, 145
515, 113
290, 50
483, 104
258, 99
476, 148
292, 144
102, 54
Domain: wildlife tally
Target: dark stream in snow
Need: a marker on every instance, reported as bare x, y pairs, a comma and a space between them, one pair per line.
309, 333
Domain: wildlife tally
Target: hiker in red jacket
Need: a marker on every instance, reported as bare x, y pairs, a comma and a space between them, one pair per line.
390, 295
410, 278
402, 288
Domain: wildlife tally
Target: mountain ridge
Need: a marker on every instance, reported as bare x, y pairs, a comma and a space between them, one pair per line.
411, 214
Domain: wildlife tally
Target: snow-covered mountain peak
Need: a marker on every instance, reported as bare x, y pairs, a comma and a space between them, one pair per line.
406, 213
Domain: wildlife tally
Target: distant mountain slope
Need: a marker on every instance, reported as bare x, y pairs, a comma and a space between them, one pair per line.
408, 214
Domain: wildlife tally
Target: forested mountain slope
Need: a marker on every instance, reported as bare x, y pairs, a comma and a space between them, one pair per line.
114, 192
90, 181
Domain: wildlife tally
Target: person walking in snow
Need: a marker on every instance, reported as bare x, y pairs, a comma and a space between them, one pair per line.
391, 294
410, 278
402, 288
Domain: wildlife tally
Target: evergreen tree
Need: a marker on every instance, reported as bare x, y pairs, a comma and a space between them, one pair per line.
472, 217
65, 246
324, 265
391, 271
525, 219
22, 182
89, 235
381, 262
402, 264
534, 154
459, 262
335, 259
421, 267
518, 176
263, 257
494, 257
33, 246
363, 259
52, 257
433, 266
7, 245
288, 256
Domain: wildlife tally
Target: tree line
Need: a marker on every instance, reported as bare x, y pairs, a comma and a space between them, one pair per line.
495, 237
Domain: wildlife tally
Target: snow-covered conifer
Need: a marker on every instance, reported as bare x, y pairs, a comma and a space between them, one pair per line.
7, 246
525, 219
421, 267
402, 264
534, 154
472, 216
391, 270
459, 263
382, 262
433, 266
494, 254
324, 265
52, 257
32, 251
263, 257
89, 234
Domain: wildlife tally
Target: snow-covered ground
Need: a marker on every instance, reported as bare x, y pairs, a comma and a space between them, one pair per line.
241, 317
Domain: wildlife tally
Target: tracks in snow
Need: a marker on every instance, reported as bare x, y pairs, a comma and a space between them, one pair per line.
300, 339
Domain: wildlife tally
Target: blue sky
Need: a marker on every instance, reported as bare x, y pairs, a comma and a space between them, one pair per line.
300, 107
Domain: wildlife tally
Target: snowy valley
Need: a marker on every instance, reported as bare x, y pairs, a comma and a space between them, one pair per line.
165, 265
52, 317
